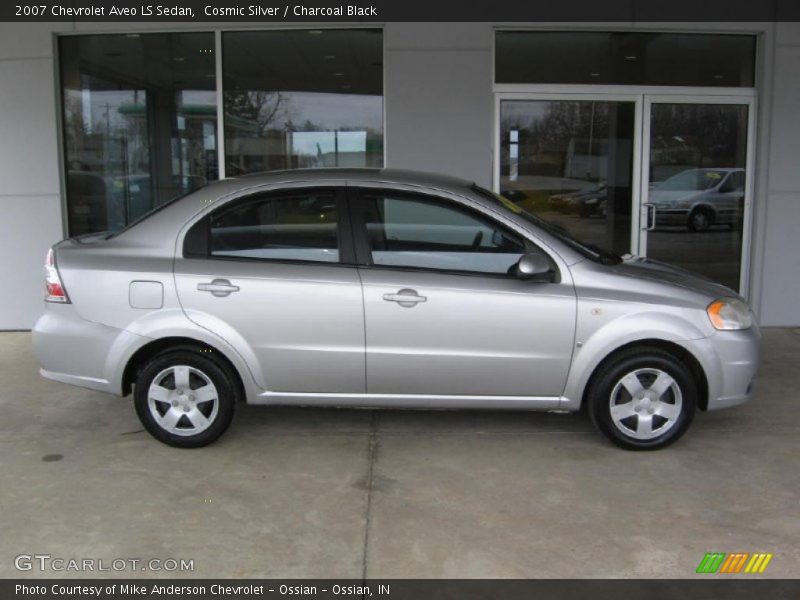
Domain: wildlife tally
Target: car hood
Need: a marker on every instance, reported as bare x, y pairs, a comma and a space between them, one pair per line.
653, 270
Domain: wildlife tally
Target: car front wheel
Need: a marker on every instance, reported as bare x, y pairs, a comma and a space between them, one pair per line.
643, 399
185, 398
700, 220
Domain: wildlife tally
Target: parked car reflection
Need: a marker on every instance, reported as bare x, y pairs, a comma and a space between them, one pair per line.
700, 198
584, 202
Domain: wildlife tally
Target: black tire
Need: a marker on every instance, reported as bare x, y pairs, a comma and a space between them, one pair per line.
700, 220
677, 403
202, 368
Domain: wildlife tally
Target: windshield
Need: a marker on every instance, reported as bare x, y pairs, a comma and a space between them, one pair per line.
588, 250
695, 180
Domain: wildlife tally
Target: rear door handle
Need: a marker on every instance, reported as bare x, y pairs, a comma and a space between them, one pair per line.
407, 298
218, 287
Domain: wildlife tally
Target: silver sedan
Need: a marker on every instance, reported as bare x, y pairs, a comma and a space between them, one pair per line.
380, 288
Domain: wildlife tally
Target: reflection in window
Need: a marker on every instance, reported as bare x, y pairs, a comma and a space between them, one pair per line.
698, 154
286, 228
632, 58
571, 162
139, 115
299, 99
426, 234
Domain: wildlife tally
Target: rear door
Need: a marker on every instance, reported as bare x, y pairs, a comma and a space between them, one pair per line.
273, 273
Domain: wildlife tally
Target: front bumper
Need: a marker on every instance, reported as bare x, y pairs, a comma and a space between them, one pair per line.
730, 360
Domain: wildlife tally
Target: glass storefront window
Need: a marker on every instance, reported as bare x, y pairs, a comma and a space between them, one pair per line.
302, 98
697, 181
571, 162
139, 123
629, 58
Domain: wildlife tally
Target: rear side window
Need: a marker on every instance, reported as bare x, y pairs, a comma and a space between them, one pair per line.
287, 227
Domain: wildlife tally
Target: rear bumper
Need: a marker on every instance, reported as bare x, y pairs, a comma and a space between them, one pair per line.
72, 350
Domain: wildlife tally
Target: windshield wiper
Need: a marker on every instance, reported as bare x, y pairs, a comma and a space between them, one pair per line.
605, 256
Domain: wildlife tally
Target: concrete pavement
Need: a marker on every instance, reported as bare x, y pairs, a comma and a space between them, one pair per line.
383, 494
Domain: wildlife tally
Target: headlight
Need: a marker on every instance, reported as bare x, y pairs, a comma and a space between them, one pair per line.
729, 313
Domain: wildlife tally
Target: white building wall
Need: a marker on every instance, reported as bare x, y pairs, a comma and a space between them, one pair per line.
30, 201
438, 111
439, 98
780, 278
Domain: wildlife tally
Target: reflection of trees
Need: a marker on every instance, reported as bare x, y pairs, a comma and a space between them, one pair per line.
554, 132
74, 128
701, 135
259, 109
259, 128
562, 122
251, 119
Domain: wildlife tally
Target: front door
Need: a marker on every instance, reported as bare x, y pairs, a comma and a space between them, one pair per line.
444, 312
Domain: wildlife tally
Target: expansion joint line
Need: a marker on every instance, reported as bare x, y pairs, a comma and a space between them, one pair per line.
372, 450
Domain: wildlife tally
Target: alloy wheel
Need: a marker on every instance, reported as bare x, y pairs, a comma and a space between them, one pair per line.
646, 403
183, 400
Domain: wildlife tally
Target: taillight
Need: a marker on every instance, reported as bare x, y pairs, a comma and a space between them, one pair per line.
53, 288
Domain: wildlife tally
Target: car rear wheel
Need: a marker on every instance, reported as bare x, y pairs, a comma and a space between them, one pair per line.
643, 399
185, 398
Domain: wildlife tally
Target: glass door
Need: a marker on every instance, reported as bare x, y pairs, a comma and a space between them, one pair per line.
573, 160
667, 176
695, 184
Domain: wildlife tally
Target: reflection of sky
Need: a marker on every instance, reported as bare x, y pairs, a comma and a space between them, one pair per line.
525, 113
322, 142
101, 107
334, 111
326, 111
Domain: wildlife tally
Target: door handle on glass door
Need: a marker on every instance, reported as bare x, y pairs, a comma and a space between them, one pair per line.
218, 287
406, 298
650, 216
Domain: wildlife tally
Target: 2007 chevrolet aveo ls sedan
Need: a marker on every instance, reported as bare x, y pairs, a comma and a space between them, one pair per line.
379, 288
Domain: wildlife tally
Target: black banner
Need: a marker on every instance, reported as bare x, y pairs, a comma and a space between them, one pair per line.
733, 588
376, 11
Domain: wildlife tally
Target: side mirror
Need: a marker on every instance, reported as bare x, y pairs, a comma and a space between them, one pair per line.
533, 266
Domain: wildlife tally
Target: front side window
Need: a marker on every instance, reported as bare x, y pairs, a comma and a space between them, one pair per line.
421, 232
297, 227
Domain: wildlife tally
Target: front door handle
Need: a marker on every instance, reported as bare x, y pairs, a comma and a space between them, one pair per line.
218, 287
407, 298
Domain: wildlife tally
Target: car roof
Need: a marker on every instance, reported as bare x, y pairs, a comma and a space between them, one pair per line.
174, 215
389, 176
